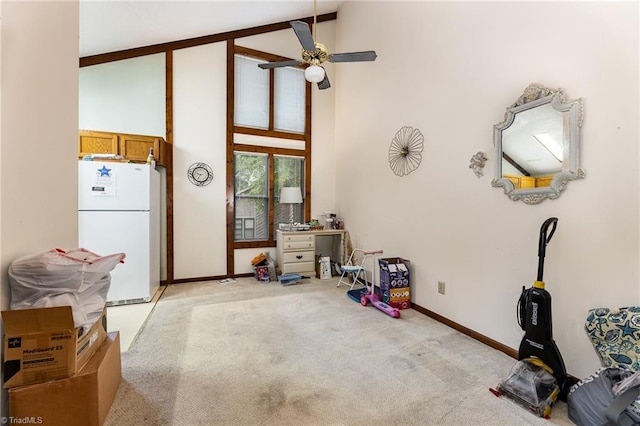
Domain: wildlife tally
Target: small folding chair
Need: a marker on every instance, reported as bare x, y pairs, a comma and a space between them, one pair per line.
355, 269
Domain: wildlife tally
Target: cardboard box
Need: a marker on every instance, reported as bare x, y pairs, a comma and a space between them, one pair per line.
395, 286
81, 400
43, 344
260, 259
399, 297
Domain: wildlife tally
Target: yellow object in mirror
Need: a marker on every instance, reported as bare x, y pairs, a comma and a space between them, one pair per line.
538, 145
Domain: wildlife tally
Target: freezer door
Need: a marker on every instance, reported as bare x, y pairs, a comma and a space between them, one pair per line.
131, 233
114, 186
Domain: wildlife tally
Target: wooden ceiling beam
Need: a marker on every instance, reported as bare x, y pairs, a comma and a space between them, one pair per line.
196, 41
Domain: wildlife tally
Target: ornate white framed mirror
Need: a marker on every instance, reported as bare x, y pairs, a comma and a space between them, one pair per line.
538, 145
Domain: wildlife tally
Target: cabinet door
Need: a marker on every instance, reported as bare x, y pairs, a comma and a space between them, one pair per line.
136, 147
544, 181
527, 182
97, 143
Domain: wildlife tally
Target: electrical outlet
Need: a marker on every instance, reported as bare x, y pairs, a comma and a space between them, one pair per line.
441, 287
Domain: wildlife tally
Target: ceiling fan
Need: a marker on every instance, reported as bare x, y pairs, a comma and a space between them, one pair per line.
314, 54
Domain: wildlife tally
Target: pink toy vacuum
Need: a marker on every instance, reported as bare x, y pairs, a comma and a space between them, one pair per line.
372, 296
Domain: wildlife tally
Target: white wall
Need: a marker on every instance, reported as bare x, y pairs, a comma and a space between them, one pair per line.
200, 105
451, 69
38, 131
125, 96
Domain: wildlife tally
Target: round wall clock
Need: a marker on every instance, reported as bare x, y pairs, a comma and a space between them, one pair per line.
200, 174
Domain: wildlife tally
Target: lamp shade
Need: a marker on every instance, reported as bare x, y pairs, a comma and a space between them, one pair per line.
290, 195
314, 74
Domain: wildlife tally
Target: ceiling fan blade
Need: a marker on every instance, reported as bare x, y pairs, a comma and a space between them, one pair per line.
304, 35
368, 55
324, 84
268, 65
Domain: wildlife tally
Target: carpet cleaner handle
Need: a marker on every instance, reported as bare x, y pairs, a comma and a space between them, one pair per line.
545, 237
521, 308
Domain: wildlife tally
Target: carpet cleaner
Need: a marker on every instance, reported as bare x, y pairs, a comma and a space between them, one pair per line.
539, 378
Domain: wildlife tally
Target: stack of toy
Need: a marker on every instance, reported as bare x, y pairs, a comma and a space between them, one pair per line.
261, 268
394, 282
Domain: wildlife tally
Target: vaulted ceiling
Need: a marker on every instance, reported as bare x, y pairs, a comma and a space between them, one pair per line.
109, 26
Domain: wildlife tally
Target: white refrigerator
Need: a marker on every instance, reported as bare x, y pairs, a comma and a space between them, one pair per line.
119, 212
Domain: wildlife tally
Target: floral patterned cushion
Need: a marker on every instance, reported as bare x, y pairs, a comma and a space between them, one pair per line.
615, 333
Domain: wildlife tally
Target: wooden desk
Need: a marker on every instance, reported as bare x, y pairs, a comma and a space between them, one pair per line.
296, 250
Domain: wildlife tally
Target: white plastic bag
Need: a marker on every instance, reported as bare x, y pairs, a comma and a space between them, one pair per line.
77, 278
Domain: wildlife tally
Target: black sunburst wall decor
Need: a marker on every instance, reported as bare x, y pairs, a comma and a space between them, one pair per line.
405, 151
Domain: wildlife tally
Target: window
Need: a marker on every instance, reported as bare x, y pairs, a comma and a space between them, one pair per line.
288, 171
289, 100
258, 105
251, 196
269, 147
252, 203
245, 228
251, 106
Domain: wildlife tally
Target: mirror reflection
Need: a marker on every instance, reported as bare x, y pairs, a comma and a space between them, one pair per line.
532, 147
538, 144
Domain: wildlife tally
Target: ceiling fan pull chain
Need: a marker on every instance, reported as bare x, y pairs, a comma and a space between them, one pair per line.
315, 14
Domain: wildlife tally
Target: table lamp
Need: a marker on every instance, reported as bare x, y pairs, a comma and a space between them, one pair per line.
290, 195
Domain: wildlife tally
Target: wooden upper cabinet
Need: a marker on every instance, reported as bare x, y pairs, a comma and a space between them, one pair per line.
134, 148
97, 143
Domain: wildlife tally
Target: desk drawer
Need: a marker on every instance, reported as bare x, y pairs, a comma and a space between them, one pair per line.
298, 238
298, 245
300, 256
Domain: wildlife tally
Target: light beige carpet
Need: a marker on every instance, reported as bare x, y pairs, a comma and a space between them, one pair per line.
264, 354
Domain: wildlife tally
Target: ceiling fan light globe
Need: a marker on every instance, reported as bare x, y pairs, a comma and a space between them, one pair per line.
314, 74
